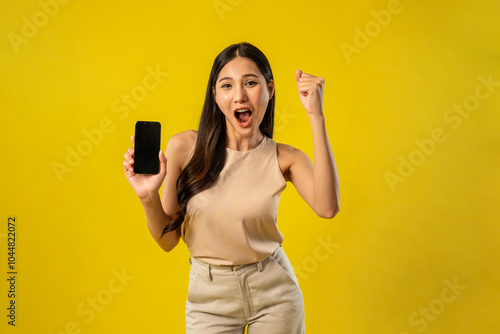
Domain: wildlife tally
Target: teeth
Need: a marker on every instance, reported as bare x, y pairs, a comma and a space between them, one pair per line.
243, 110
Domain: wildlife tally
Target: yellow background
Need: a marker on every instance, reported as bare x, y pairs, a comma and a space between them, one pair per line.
395, 248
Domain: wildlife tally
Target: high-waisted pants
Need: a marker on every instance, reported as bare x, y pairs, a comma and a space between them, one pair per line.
264, 296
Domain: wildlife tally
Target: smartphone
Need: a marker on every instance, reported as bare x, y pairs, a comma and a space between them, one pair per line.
147, 147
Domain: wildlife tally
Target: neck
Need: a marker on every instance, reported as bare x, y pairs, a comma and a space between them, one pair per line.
238, 142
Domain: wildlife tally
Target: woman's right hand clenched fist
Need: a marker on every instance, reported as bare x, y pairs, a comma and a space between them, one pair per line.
144, 185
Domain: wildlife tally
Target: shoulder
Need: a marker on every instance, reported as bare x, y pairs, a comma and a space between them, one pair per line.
285, 148
179, 146
288, 151
183, 139
289, 157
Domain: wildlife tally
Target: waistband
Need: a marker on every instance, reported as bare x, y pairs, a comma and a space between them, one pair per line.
231, 270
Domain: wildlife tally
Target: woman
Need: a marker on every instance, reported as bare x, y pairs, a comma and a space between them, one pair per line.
221, 188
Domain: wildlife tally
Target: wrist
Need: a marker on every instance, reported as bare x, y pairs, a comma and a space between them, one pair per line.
149, 197
316, 117
316, 114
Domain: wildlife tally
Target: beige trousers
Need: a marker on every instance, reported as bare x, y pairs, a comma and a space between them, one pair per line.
264, 296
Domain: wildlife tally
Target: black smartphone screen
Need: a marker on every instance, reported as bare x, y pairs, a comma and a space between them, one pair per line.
147, 147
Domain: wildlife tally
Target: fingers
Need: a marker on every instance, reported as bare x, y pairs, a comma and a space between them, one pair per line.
308, 82
127, 166
310, 79
306, 77
129, 156
128, 163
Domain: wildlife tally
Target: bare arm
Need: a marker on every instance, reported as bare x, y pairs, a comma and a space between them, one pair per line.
157, 219
317, 184
178, 149
159, 212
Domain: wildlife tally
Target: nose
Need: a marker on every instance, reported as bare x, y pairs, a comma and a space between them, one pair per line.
239, 94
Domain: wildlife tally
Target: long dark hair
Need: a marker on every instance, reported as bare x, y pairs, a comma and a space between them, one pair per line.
209, 154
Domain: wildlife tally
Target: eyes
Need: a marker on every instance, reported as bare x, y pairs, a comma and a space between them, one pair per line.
248, 83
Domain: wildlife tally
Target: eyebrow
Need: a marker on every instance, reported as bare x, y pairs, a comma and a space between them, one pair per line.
244, 76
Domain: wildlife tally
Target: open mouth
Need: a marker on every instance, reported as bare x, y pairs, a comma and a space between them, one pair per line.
243, 116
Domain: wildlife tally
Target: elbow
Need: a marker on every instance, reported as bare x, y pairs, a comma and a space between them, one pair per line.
330, 213
167, 242
167, 249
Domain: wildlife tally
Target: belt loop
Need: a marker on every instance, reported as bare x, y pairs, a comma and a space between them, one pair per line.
259, 265
210, 273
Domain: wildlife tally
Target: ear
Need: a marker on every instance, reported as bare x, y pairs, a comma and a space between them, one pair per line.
271, 89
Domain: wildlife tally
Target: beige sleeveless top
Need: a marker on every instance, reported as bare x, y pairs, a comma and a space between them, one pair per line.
235, 221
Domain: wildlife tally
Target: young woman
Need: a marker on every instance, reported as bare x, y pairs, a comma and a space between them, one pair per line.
221, 189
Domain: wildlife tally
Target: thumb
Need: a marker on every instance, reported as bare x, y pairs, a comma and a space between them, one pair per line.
298, 74
163, 162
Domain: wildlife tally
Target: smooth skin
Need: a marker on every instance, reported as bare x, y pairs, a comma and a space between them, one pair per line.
241, 84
